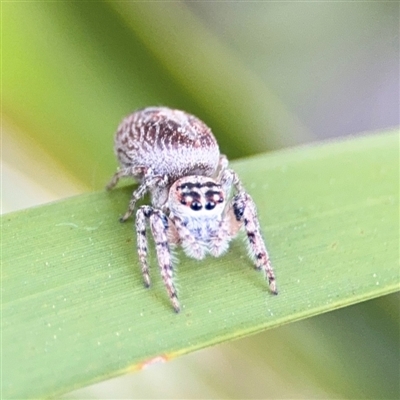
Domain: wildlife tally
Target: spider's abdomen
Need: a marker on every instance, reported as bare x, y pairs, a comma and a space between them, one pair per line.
170, 142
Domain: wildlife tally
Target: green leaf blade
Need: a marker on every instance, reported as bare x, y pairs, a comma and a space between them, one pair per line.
73, 304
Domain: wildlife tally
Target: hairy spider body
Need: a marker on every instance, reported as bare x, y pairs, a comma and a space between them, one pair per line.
157, 145
174, 156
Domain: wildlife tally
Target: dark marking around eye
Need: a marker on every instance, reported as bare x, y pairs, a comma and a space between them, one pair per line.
211, 184
196, 206
188, 198
211, 193
190, 185
210, 205
214, 197
194, 195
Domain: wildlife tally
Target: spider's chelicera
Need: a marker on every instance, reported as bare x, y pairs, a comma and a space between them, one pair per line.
174, 156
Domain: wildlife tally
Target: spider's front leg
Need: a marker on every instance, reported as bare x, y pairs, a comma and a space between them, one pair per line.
159, 228
245, 213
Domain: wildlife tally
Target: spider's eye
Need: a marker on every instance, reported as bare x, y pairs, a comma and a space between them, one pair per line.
196, 206
210, 205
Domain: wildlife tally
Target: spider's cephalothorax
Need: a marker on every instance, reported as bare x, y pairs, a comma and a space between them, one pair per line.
174, 156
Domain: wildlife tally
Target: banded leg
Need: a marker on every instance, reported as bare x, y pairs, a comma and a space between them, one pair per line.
159, 228
147, 183
222, 166
142, 244
124, 172
228, 179
245, 211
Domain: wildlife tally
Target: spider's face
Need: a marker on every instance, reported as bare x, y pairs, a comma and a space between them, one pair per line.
196, 197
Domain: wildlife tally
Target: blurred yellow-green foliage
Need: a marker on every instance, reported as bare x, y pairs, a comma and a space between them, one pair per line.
263, 75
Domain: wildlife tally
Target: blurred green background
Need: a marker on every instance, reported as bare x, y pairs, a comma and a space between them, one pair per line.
263, 75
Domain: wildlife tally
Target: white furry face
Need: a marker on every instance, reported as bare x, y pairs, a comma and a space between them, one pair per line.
196, 197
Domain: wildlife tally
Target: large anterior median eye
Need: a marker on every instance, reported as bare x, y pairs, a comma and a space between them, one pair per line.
209, 205
196, 206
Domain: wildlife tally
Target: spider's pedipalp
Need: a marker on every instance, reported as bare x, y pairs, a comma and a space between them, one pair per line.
190, 245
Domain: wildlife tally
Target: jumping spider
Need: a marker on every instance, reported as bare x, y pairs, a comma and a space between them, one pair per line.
174, 156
